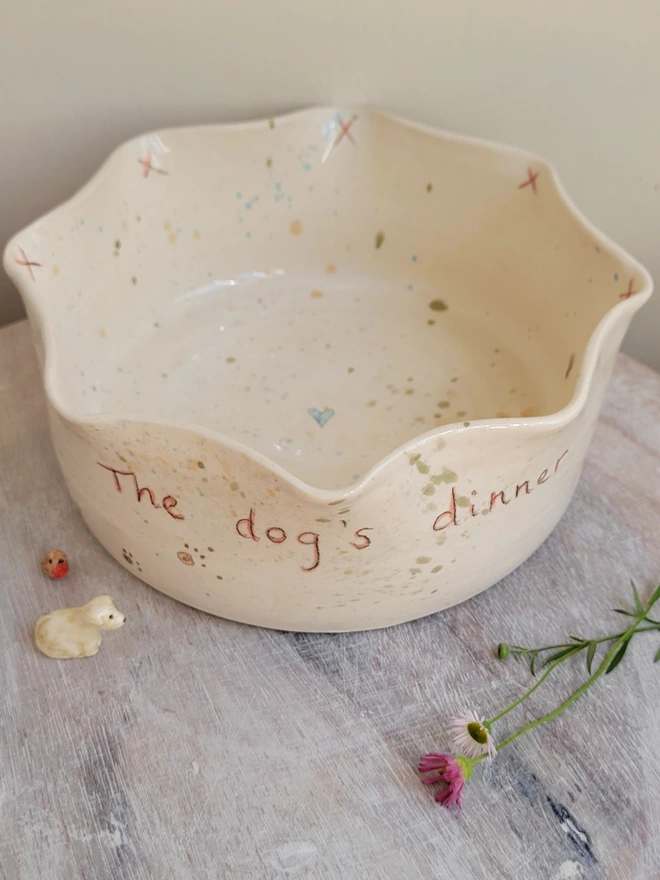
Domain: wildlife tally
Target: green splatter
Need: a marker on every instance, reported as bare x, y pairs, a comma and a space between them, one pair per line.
429, 489
269, 162
271, 123
231, 360
446, 476
380, 238
351, 369
415, 571
429, 187
462, 501
466, 424
372, 403
117, 244
134, 280
233, 486
322, 520
334, 503
436, 569
413, 459
438, 305
410, 390
443, 404
422, 467
430, 322
423, 560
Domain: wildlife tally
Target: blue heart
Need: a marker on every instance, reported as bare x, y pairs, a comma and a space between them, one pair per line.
321, 417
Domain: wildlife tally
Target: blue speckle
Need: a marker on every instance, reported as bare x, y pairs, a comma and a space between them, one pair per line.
310, 188
597, 249
239, 195
414, 259
82, 372
616, 277
248, 234
497, 351
157, 554
339, 452
240, 219
82, 221
100, 229
410, 287
278, 186
307, 166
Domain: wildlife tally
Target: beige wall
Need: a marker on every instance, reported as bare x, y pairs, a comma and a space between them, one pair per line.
575, 80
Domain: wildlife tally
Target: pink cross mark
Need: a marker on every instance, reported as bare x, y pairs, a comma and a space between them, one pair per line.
628, 293
27, 263
531, 180
148, 164
345, 131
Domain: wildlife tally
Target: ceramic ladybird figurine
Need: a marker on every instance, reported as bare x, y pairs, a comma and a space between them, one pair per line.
55, 565
76, 632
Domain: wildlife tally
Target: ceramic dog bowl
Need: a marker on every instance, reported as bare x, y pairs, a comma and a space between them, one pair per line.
331, 371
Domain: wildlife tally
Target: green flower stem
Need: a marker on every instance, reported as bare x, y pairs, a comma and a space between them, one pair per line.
556, 664
578, 693
525, 695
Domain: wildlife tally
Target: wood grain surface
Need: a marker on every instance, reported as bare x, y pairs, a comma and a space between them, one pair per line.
191, 747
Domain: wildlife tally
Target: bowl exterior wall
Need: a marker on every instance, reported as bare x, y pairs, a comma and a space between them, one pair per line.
436, 524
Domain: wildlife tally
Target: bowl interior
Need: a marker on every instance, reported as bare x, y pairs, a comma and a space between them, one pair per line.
322, 288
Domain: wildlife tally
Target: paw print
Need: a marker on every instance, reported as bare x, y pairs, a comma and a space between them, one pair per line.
192, 556
129, 558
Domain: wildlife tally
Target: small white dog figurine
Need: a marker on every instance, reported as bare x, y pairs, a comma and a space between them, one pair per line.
76, 632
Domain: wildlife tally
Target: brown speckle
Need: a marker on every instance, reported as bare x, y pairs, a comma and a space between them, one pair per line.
167, 226
295, 227
380, 238
124, 225
371, 403
233, 486
102, 333
571, 362
317, 293
530, 412
172, 238
438, 305
430, 322
443, 404
330, 269
429, 187
436, 569
186, 558
197, 234
56, 270
200, 464
423, 560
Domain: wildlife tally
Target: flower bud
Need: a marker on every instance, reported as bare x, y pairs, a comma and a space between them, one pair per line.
502, 650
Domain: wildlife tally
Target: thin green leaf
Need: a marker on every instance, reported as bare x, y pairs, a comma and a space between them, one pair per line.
657, 656
532, 662
576, 639
654, 598
627, 613
563, 653
638, 601
618, 657
591, 653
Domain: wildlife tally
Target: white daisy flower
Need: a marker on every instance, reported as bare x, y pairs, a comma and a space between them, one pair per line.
471, 736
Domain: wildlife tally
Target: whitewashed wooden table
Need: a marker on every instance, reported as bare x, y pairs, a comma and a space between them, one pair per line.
192, 747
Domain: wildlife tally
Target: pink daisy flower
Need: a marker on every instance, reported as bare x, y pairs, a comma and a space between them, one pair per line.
450, 770
472, 737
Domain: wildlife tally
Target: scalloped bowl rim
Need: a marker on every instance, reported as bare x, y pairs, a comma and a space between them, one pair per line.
625, 308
